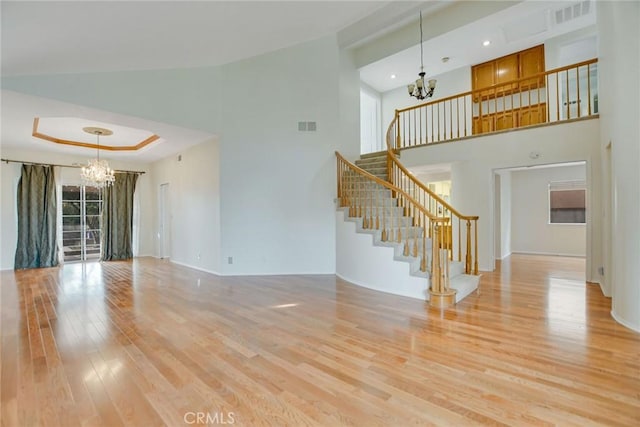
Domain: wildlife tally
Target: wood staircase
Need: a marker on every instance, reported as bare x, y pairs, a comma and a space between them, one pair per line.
382, 216
374, 163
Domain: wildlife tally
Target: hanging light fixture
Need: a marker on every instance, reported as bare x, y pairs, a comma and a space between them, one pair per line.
97, 172
419, 89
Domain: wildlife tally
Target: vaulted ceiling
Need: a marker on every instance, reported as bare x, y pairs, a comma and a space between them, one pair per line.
69, 37
59, 37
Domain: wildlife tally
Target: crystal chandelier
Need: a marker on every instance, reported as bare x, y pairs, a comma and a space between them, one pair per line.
419, 89
97, 172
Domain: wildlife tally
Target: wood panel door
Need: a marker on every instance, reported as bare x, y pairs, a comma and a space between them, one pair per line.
531, 62
483, 76
532, 115
506, 70
505, 121
483, 124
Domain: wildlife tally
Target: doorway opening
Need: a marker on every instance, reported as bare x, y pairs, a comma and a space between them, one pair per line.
541, 210
81, 223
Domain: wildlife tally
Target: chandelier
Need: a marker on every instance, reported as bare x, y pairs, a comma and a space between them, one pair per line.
97, 172
419, 89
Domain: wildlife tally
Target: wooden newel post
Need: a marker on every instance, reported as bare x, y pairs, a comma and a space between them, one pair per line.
397, 130
339, 180
467, 264
435, 261
440, 295
475, 252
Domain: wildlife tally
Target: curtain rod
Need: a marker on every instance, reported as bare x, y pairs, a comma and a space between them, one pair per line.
63, 166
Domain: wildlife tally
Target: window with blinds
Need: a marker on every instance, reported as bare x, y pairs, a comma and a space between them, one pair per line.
567, 202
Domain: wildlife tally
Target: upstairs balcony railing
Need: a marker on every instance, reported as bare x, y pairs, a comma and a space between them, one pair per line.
557, 95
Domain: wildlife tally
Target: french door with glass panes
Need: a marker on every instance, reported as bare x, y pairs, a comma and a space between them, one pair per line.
81, 222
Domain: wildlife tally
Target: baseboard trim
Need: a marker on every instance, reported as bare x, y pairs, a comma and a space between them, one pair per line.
362, 285
547, 253
278, 274
245, 274
624, 322
355, 282
215, 273
599, 284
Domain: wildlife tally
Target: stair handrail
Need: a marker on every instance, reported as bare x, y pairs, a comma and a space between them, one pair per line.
362, 203
387, 185
399, 176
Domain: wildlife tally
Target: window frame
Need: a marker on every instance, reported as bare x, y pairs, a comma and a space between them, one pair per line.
569, 185
87, 250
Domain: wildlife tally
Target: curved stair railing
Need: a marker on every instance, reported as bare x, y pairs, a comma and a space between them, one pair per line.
395, 216
456, 237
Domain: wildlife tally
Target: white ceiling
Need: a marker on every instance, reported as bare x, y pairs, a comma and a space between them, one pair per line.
516, 28
73, 36
17, 125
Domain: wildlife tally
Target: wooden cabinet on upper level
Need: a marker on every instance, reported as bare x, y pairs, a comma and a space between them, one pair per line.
483, 75
509, 119
506, 71
531, 62
503, 96
507, 68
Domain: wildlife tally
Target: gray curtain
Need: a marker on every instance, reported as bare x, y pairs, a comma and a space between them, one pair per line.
37, 246
117, 217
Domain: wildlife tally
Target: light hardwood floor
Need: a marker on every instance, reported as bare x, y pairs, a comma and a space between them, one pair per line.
148, 343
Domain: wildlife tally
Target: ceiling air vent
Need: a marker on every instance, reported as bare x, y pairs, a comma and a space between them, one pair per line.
573, 11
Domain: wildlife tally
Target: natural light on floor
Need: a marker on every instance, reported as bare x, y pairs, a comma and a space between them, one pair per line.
566, 308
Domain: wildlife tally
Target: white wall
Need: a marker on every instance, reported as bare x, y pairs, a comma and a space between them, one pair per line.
370, 120
571, 48
530, 228
619, 64
361, 262
448, 84
349, 107
278, 184
502, 211
10, 173
505, 215
474, 161
194, 200
427, 177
